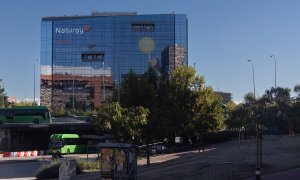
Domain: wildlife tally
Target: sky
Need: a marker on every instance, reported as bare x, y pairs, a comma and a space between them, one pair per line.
222, 36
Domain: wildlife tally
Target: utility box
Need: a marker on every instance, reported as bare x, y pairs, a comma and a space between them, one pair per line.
118, 161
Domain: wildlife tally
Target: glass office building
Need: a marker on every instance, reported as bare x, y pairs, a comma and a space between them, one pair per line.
84, 58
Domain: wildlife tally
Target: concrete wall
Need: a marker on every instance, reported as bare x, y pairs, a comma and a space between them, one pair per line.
36, 137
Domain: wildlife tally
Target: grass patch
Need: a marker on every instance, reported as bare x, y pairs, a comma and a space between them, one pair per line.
88, 166
50, 169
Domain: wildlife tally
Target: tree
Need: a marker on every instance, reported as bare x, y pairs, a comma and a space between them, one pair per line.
142, 91
138, 90
297, 90
177, 105
160, 124
278, 101
237, 120
3, 98
230, 106
245, 116
182, 99
207, 113
125, 124
78, 105
60, 111
196, 108
135, 120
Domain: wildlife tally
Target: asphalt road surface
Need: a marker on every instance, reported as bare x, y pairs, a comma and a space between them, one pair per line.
18, 169
22, 168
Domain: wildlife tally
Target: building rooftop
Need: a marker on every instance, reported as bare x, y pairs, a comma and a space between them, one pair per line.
93, 14
96, 14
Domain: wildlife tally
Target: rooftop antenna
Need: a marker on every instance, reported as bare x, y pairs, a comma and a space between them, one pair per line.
93, 9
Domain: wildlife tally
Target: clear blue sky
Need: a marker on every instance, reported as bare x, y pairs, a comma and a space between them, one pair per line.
222, 36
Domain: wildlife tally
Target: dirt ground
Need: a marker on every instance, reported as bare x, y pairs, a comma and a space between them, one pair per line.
279, 153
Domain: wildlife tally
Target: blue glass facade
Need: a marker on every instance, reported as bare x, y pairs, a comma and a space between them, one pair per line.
84, 57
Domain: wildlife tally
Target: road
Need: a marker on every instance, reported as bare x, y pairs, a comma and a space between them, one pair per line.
22, 168
18, 169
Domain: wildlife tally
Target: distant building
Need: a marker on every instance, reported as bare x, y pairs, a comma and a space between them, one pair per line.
12, 99
226, 97
173, 57
83, 58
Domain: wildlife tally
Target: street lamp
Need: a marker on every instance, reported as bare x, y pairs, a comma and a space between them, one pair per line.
258, 135
73, 89
252, 77
273, 56
1, 80
35, 61
103, 71
119, 83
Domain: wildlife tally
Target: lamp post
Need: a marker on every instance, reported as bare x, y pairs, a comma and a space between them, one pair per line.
1, 80
273, 56
258, 134
73, 89
103, 71
252, 77
35, 61
119, 83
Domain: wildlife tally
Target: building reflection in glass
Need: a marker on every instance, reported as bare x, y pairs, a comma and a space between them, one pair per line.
83, 58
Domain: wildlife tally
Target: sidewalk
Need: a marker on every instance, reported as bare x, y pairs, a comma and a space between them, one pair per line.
293, 174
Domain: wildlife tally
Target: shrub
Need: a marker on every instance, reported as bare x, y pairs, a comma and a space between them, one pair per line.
88, 166
51, 169
48, 170
216, 137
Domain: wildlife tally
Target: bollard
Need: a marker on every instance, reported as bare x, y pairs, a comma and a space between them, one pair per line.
67, 169
257, 173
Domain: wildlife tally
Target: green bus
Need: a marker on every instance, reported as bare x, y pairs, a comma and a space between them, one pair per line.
74, 144
25, 114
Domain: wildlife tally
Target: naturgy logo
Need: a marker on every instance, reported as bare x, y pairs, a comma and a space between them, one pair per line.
77, 31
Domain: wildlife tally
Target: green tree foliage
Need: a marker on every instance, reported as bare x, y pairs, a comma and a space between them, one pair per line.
275, 110
180, 105
297, 90
196, 108
278, 103
207, 112
3, 98
60, 111
230, 106
125, 124
78, 105
161, 117
139, 90
242, 117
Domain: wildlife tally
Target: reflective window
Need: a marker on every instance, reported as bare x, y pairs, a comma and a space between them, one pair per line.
82, 58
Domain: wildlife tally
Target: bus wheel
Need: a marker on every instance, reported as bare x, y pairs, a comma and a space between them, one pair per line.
36, 121
68, 151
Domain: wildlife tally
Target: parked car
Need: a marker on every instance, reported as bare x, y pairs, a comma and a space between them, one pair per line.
90, 118
159, 149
